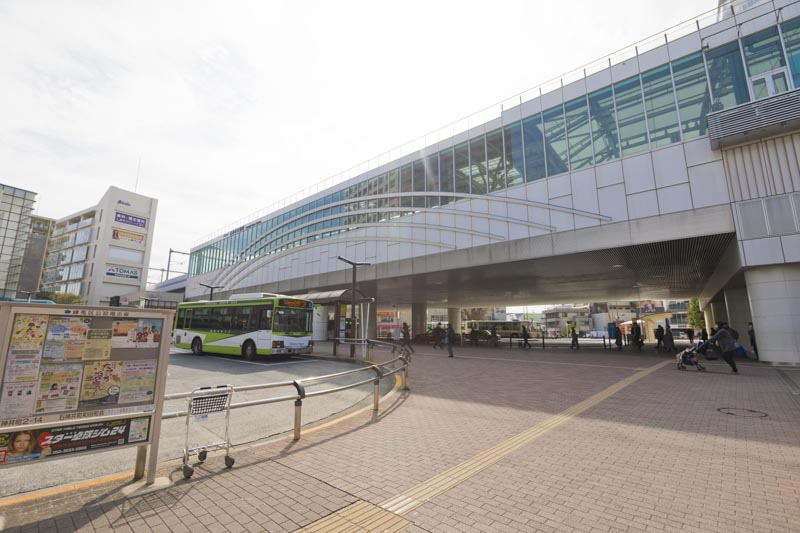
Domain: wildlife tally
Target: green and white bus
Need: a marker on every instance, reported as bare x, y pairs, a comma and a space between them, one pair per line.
247, 324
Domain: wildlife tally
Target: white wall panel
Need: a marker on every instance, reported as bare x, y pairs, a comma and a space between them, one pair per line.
613, 202
562, 221
708, 183
609, 174
551, 99
537, 191
669, 166
675, 198
574, 90
698, 151
638, 173
643, 204
559, 186
654, 58
584, 191
791, 248
624, 70
598, 80
688, 44
766, 251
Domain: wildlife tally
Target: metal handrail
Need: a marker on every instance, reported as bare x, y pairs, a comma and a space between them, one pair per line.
379, 370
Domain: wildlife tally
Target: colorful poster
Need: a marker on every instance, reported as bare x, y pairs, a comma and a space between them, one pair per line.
98, 345
22, 368
127, 236
18, 399
123, 333
148, 333
138, 381
59, 385
58, 441
28, 334
100, 385
66, 338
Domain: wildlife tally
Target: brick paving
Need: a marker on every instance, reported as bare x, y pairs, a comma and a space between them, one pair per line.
657, 455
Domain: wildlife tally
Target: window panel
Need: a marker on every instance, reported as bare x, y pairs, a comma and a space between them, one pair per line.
432, 179
533, 137
393, 182
512, 140
555, 135
579, 134
495, 169
728, 81
406, 182
791, 39
418, 169
462, 177
604, 125
477, 162
630, 115
659, 102
691, 89
446, 174
763, 52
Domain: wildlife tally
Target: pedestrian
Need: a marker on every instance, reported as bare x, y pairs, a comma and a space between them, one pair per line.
752, 333
704, 335
450, 339
574, 334
406, 338
618, 337
690, 334
636, 336
727, 344
438, 336
525, 337
473, 336
669, 340
659, 337
493, 337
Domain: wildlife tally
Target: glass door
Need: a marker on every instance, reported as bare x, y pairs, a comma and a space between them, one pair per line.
769, 83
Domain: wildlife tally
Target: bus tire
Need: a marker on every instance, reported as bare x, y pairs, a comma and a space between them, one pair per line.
197, 346
249, 350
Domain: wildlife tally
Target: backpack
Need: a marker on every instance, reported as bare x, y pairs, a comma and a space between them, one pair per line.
734, 334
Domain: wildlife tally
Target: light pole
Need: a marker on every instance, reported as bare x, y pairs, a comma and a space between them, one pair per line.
212, 287
29, 293
355, 265
169, 258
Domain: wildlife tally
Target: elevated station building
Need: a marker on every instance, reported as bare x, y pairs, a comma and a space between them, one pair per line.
668, 171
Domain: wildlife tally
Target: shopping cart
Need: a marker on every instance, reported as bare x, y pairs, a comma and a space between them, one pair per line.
200, 403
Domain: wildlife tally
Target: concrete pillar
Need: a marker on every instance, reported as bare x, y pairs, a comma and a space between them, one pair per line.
708, 315
774, 293
454, 318
738, 308
372, 326
419, 315
718, 310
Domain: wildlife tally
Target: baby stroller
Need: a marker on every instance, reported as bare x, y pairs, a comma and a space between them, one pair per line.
688, 357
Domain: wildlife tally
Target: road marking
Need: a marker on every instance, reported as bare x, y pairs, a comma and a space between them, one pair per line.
441, 483
259, 364
47, 493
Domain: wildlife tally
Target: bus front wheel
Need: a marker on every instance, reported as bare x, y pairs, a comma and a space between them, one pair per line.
197, 346
249, 350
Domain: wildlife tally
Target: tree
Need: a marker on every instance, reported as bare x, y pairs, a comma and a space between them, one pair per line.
65, 298
694, 316
475, 313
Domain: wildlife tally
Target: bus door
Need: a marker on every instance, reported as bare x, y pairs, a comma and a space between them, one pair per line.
264, 333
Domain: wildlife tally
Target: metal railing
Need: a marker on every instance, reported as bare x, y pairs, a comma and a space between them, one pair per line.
380, 371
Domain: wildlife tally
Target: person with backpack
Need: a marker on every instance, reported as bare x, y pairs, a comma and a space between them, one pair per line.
438, 336
525, 337
659, 337
406, 338
726, 339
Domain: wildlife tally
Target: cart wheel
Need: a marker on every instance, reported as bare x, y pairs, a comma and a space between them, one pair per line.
187, 471
202, 456
229, 461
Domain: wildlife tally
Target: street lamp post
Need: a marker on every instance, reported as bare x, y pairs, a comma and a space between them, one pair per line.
169, 259
355, 265
29, 293
212, 287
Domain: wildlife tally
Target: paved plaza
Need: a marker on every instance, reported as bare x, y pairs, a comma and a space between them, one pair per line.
492, 440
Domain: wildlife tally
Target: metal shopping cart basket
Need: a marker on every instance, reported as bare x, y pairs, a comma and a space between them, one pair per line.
200, 403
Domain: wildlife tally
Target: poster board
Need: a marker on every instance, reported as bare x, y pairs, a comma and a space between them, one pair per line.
78, 379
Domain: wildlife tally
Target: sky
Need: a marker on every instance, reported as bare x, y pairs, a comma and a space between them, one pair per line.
220, 109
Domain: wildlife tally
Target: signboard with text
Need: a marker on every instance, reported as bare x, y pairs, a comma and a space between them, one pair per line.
78, 378
122, 272
132, 220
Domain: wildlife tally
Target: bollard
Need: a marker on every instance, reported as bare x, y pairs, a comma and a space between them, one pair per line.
376, 396
604, 342
141, 459
542, 342
298, 407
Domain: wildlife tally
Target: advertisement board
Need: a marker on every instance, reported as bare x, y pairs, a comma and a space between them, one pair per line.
78, 378
132, 220
127, 236
117, 271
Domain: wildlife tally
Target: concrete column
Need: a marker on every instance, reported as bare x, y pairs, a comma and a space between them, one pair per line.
738, 307
454, 318
419, 314
708, 315
719, 311
774, 293
372, 327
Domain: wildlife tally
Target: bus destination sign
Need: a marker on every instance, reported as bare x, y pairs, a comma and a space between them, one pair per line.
298, 304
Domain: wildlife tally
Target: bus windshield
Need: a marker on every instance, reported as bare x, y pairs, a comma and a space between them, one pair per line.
289, 320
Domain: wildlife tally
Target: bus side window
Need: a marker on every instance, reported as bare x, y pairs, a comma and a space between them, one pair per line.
179, 318
266, 318
241, 319
187, 321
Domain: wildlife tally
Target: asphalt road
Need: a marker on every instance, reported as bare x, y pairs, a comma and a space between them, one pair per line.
186, 372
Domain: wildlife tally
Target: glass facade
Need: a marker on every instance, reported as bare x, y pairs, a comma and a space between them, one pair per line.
662, 106
16, 208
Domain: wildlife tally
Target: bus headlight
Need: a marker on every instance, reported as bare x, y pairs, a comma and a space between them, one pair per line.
277, 344
311, 343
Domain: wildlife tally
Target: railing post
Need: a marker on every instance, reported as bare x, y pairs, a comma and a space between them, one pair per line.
604, 342
141, 460
405, 373
298, 408
376, 388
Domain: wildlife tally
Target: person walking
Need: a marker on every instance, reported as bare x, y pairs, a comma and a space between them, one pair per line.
659, 337
406, 338
727, 344
449, 339
525, 337
636, 336
704, 335
618, 337
473, 336
690, 334
493, 337
752, 333
438, 336
669, 340
574, 334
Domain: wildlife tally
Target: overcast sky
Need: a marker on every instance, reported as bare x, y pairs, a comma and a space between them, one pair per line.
231, 106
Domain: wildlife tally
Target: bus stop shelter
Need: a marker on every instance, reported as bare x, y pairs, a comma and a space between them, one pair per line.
339, 327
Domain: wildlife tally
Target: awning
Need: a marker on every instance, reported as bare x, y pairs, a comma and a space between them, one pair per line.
330, 297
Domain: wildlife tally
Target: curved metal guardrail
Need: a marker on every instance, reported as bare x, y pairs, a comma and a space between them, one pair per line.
380, 371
